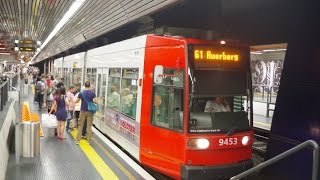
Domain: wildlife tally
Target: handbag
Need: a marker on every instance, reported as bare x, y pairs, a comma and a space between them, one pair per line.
91, 106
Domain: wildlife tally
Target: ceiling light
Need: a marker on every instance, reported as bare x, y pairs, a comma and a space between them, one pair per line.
222, 42
2, 48
74, 7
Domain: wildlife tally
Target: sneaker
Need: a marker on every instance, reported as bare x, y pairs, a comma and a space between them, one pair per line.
77, 142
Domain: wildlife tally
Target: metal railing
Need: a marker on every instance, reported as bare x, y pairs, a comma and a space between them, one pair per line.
7, 84
3, 94
285, 154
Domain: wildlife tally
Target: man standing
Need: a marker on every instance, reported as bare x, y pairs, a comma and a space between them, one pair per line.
40, 87
85, 95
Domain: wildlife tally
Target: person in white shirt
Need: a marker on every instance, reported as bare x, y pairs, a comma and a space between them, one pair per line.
219, 104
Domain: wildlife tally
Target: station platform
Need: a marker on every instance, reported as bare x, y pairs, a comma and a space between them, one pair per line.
262, 122
63, 159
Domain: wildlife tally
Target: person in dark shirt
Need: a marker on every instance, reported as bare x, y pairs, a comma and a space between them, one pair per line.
60, 84
86, 95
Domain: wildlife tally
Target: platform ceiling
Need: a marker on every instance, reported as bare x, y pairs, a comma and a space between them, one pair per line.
100, 22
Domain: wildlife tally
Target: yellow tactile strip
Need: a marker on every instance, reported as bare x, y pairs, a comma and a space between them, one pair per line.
103, 169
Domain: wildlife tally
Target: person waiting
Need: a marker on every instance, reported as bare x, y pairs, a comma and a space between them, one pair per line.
218, 104
126, 101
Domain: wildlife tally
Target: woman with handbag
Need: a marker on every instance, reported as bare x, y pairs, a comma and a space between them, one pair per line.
60, 105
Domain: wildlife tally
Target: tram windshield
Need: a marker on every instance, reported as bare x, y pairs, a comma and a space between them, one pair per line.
218, 98
219, 114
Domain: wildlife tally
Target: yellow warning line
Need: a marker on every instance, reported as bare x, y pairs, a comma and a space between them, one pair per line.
115, 161
261, 123
103, 169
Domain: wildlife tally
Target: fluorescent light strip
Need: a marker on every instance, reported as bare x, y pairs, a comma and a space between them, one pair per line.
255, 52
5, 53
2, 48
272, 50
74, 7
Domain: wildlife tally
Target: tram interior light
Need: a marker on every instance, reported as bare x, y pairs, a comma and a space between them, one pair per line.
198, 143
272, 50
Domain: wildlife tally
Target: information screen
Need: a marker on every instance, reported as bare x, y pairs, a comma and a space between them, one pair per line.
213, 57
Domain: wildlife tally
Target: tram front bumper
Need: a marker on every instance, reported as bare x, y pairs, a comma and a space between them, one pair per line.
214, 172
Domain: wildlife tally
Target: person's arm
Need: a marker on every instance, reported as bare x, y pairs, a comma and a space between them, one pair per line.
208, 107
66, 100
95, 100
53, 107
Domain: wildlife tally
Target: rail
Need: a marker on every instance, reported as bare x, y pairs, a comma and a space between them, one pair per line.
284, 155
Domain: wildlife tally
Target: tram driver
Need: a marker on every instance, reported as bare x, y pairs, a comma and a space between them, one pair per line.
218, 104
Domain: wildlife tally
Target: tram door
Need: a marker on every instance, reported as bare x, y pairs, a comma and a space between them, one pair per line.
101, 86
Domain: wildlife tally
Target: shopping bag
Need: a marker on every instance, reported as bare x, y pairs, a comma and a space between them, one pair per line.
49, 120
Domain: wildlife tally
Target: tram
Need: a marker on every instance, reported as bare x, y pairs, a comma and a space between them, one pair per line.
180, 106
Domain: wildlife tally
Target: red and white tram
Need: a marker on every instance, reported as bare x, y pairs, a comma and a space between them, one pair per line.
161, 103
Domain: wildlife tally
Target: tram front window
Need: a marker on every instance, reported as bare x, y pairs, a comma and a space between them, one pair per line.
218, 114
218, 101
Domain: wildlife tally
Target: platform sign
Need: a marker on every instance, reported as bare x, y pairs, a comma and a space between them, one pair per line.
26, 49
26, 41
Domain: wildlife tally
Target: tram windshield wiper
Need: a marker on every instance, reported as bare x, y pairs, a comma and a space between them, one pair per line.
232, 130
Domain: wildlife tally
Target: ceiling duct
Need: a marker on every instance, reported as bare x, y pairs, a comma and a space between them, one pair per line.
186, 32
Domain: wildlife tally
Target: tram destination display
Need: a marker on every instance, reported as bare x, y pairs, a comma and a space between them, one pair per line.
215, 57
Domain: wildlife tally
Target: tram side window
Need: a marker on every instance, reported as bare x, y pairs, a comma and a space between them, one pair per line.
167, 108
113, 98
93, 76
66, 74
128, 95
76, 75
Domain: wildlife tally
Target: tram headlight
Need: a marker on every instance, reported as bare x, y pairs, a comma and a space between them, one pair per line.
198, 143
245, 140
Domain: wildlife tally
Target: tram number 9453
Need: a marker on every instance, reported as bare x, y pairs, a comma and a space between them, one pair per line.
228, 141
